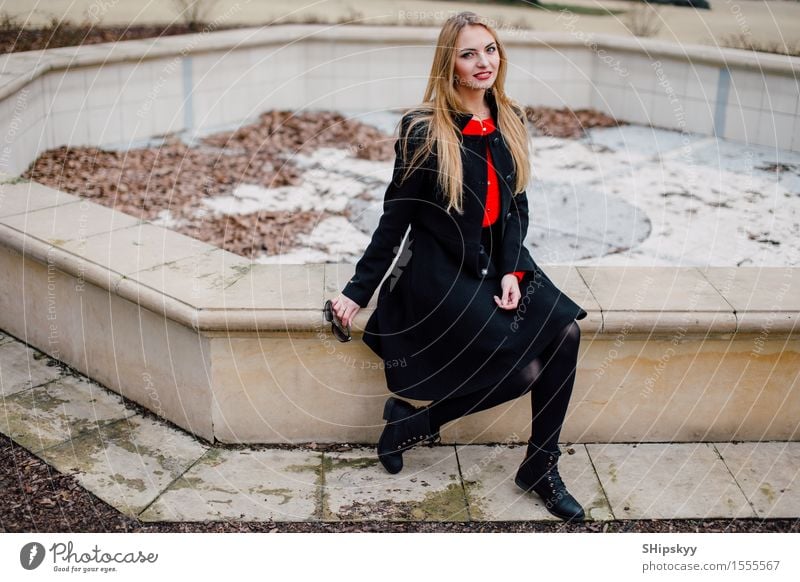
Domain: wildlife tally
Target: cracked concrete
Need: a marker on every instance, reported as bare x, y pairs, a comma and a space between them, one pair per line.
154, 471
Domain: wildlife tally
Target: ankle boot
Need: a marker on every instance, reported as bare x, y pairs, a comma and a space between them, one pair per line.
539, 473
406, 426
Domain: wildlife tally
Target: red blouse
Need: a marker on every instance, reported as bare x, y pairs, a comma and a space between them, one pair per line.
492, 205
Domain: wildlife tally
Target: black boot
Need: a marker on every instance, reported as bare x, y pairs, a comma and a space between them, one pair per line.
405, 427
539, 473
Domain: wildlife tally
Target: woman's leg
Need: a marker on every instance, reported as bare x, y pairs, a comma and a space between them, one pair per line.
549, 378
449, 409
553, 390
549, 400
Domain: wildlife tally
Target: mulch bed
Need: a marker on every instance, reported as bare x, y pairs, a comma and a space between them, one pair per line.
37, 498
177, 177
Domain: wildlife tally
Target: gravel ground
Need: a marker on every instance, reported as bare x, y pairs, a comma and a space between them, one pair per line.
37, 498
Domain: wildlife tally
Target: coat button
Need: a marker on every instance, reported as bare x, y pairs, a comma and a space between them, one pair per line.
496, 140
508, 216
508, 178
484, 271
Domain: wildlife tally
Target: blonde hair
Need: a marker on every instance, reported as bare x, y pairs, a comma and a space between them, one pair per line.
442, 133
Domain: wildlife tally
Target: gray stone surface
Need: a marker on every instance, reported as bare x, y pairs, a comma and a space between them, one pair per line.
247, 485
357, 487
571, 222
489, 472
768, 473
127, 463
641, 140
22, 367
59, 411
667, 481
157, 472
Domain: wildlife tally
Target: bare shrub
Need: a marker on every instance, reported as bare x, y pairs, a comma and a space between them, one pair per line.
643, 20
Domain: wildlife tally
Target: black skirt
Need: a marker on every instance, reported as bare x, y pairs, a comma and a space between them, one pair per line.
440, 332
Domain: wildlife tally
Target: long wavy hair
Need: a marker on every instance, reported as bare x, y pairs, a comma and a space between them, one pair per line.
441, 135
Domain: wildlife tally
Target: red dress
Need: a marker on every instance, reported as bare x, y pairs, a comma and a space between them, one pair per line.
492, 204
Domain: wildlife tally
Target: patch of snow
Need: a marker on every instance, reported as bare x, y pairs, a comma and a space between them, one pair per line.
321, 190
640, 140
631, 195
338, 238
166, 220
343, 162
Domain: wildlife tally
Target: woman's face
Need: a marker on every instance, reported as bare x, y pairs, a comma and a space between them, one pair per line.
477, 58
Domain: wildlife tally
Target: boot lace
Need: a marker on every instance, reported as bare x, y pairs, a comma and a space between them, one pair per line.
556, 483
411, 440
554, 478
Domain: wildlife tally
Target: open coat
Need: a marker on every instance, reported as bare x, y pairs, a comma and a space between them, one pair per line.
436, 326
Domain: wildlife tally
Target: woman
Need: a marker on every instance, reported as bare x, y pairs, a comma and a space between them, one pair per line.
440, 326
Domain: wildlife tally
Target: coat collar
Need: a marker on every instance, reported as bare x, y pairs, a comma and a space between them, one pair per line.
462, 118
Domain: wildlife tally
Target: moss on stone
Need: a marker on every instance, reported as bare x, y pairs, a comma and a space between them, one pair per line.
768, 492
137, 484
283, 492
446, 504
474, 501
355, 463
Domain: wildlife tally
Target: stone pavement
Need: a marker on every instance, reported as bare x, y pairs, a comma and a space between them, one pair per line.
154, 471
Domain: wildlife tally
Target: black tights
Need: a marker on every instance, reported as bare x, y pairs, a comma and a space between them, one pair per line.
551, 375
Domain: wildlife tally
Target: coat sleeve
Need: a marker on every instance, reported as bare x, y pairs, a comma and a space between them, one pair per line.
401, 200
515, 256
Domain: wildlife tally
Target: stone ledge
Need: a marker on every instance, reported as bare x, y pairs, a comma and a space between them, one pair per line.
239, 353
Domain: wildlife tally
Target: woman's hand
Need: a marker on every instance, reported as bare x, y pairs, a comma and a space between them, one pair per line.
511, 293
345, 309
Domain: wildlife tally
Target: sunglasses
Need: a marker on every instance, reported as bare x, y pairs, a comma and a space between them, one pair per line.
339, 331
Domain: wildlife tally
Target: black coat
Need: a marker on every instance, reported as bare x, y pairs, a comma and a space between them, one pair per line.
436, 325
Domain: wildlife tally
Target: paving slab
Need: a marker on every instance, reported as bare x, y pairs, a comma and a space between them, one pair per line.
30, 196
488, 473
768, 473
128, 463
358, 488
58, 411
138, 247
22, 367
148, 468
667, 481
195, 278
73, 221
246, 485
